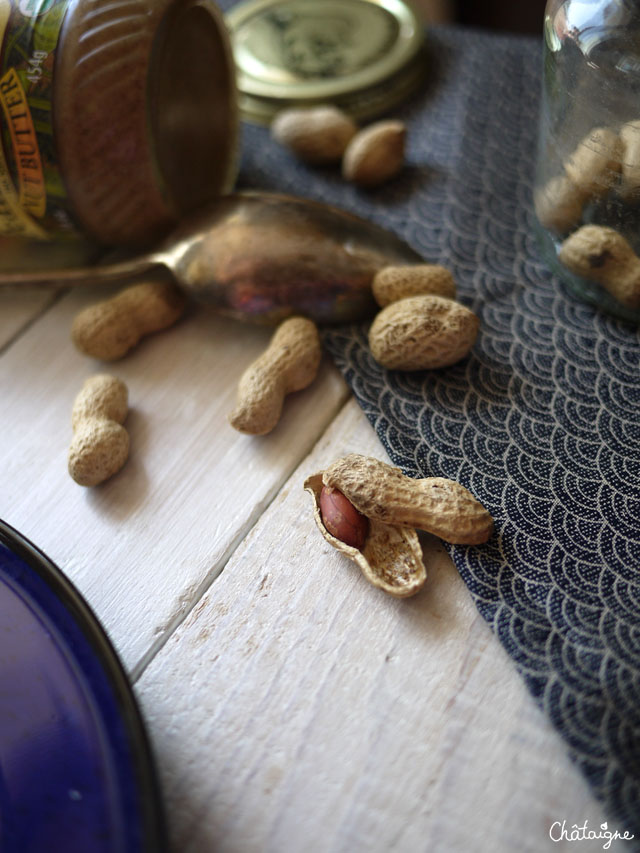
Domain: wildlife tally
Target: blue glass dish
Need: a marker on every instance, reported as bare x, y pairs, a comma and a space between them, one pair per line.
76, 769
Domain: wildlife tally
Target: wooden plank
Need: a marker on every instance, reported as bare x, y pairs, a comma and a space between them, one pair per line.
18, 307
299, 708
143, 546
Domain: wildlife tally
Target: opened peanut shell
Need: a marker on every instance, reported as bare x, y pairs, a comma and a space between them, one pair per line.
391, 557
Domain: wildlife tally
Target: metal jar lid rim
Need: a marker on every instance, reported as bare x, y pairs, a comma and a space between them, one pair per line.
274, 81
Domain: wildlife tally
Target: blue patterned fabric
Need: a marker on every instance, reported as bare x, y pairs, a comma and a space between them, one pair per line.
540, 422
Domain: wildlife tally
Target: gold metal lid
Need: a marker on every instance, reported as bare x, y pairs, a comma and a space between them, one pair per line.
362, 55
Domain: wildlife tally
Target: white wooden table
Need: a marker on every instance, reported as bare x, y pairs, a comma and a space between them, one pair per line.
291, 706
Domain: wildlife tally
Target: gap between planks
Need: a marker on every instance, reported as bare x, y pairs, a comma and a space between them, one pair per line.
31, 320
216, 570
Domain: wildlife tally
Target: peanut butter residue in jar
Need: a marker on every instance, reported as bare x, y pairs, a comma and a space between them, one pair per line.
117, 119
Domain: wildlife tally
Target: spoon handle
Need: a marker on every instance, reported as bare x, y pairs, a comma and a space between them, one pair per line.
75, 276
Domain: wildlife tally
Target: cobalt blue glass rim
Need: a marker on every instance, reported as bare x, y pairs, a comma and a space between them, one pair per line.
150, 803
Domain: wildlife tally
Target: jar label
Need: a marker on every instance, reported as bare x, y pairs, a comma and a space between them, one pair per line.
32, 195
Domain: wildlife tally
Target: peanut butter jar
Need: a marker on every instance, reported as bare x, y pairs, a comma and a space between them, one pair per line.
117, 119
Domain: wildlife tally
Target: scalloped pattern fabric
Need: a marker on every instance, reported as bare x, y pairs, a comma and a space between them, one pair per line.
540, 422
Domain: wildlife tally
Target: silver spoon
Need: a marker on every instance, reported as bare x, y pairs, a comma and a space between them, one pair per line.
261, 257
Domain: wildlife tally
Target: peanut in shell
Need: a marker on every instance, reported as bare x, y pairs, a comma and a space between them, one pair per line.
107, 330
290, 363
422, 333
603, 255
398, 282
100, 444
596, 162
437, 505
318, 134
375, 154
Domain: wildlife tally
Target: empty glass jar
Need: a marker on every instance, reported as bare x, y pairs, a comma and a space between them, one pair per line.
587, 185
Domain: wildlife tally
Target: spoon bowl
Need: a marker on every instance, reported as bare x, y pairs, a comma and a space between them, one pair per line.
262, 257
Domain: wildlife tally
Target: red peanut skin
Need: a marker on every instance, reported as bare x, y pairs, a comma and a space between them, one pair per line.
342, 519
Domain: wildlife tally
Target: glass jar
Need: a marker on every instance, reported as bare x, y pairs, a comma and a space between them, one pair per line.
587, 183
